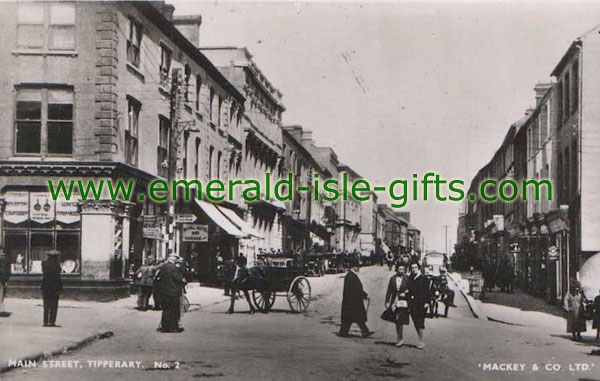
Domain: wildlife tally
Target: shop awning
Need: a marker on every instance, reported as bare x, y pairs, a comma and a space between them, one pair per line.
241, 224
219, 218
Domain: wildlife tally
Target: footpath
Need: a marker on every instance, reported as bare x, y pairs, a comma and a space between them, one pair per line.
81, 322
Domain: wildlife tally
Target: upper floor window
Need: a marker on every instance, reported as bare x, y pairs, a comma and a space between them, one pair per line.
131, 132
134, 42
575, 87
210, 104
198, 89
187, 71
44, 25
164, 126
165, 63
44, 122
567, 95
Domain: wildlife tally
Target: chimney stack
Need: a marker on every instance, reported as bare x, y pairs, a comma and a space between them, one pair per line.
189, 26
540, 89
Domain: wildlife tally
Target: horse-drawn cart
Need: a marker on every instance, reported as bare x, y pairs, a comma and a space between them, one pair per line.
267, 281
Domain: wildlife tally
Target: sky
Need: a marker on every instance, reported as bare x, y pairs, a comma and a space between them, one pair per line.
396, 87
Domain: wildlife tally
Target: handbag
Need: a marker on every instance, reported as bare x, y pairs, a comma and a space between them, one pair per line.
389, 315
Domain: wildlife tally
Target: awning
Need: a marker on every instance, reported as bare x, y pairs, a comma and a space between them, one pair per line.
241, 224
219, 218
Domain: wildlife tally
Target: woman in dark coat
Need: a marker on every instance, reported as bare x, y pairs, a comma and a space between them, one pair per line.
353, 308
396, 297
596, 322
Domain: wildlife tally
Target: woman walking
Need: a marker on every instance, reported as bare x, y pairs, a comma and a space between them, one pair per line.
395, 298
573, 304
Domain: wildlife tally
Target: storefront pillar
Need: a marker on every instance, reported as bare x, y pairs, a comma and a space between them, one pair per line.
103, 238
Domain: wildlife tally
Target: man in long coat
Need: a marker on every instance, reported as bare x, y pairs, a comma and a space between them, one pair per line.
170, 288
353, 308
51, 287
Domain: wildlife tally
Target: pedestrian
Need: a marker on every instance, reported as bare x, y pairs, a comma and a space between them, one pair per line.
573, 304
155, 294
239, 282
51, 287
418, 290
596, 322
396, 298
353, 308
389, 257
170, 287
447, 292
144, 279
4, 276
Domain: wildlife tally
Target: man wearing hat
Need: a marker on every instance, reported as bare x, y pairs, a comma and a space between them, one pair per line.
353, 308
170, 287
51, 287
4, 276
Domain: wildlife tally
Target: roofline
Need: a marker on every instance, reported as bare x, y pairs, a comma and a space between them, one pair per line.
169, 29
305, 151
575, 45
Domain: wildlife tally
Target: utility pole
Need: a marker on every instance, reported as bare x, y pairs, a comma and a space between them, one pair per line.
172, 157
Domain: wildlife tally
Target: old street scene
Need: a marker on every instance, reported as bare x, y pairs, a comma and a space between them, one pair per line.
474, 253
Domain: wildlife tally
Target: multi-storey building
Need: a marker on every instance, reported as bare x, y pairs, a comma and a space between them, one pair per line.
262, 144
304, 221
86, 94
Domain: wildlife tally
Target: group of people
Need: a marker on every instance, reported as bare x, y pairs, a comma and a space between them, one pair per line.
406, 298
499, 273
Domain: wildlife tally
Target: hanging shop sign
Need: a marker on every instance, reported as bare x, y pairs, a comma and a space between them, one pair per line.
151, 232
553, 252
194, 233
17, 207
185, 218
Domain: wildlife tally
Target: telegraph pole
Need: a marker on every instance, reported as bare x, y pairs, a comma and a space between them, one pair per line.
172, 158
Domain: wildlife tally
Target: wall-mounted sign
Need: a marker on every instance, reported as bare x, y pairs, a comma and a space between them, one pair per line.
67, 212
41, 207
17, 207
194, 233
185, 218
152, 233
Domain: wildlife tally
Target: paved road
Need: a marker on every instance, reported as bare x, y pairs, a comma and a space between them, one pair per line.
286, 346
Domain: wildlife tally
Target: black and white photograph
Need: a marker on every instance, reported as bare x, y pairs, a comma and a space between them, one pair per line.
300, 190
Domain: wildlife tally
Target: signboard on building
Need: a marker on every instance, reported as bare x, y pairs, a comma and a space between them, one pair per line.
151, 232
185, 218
194, 233
41, 207
67, 211
17, 207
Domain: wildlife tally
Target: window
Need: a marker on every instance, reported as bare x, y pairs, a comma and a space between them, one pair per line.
134, 42
187, 74
44, 121
210, 105
198, 89
544, 123
559, 105
566, 92
131, 132
219, 156
198, 156
575, 94
211, 150
48, 26
165, 63
186, 138
164, 126
219, 107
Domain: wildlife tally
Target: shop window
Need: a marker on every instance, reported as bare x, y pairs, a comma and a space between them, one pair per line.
36, 224
45, 25
44, 115
134, 42
131, 132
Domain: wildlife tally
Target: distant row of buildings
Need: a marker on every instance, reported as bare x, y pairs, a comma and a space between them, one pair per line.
547, 241
87, 93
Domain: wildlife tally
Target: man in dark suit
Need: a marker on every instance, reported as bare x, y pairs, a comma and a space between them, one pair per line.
418, 292
353, 308
51, 287
170, 288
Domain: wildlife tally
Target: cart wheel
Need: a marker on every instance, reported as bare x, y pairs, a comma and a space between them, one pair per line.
263, 300
298, 295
